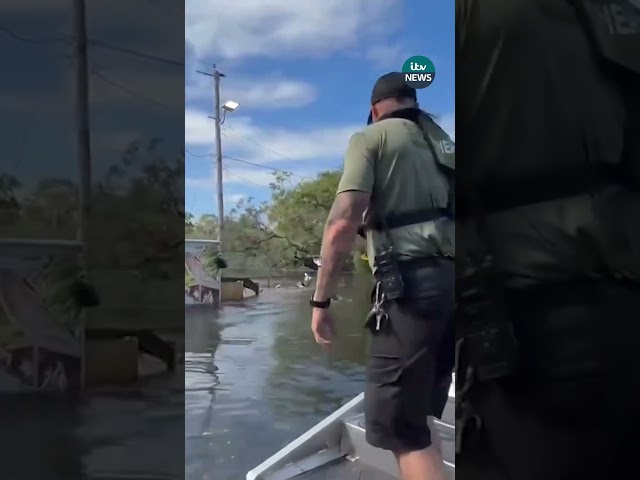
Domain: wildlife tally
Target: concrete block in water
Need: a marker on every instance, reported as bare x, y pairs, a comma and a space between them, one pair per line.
232, 291
111, 361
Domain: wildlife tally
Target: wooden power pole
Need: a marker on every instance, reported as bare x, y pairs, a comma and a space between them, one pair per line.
218, 122
83, 155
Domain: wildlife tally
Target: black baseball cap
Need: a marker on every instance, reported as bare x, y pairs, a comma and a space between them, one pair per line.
391, 85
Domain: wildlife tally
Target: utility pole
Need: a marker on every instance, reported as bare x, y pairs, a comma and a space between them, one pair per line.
218, 122
83, 154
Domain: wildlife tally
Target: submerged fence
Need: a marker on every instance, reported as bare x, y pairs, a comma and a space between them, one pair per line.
268, 277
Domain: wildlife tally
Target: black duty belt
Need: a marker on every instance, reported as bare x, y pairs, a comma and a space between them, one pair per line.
410, 218
562, 183
404, 219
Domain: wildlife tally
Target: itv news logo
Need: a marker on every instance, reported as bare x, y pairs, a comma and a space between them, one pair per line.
418, 71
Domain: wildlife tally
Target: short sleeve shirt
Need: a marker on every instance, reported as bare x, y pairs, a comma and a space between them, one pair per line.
393, 162
532, 99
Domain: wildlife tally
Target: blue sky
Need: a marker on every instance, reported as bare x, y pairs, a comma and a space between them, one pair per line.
302, 73
130, 97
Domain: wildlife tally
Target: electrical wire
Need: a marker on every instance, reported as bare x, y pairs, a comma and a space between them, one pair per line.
244, 179
91, 41
134, 53
101, 76
255, 142
247, 162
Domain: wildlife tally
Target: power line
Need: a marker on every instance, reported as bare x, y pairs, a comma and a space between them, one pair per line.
22, 38
135, 53
244, 179
277, 170
247, 162
255, 142
94, 42
198, 155
129, 91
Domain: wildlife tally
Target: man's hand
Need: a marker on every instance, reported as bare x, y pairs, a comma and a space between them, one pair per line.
322, 326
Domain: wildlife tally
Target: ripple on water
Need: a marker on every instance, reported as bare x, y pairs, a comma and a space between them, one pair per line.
254, 380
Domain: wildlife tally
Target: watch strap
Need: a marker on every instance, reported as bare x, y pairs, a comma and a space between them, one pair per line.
320, 304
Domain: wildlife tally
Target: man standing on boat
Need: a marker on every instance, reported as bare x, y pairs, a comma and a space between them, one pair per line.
398, 175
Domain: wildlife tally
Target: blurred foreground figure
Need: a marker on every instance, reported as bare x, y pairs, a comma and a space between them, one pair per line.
548, 221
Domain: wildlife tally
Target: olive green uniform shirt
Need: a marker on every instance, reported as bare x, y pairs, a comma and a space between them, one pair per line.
393, 162
518, 125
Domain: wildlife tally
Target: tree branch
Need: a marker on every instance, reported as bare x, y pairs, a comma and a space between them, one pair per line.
263, 228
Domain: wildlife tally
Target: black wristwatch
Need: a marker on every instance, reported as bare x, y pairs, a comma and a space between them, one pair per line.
317, 304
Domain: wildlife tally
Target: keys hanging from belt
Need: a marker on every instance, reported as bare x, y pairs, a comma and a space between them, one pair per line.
376, 319
377, 316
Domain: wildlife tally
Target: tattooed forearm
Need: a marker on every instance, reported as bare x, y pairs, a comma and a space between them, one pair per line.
339, 235
348, 207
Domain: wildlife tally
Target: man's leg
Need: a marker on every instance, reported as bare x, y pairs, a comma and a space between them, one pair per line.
571, 406
396, 407
421, 465
402, 370
425, 463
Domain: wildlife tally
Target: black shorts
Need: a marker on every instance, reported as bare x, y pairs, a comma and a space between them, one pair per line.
411, 359
573, 411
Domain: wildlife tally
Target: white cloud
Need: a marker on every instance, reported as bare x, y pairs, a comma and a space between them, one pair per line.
386, 56
263, 145
116, 140
117, 18
284, 28
146, 88
45, 102
275, 144
255, 93
242, 177
107, 88
247, 177
234, 198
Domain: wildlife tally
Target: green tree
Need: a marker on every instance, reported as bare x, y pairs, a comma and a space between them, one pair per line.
189, 220
272, 235
9, 204
299, 213
207, 226
54, 204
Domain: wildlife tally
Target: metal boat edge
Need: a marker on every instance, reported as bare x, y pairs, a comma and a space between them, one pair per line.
317, 446
327, 442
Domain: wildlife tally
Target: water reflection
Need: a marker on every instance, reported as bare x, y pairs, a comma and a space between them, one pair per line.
255, 379
59, 439
26, 446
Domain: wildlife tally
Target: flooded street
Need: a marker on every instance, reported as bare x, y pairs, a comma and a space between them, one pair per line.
115, 433
255, 379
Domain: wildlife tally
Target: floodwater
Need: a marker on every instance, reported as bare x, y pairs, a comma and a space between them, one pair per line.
255, 379
115, 433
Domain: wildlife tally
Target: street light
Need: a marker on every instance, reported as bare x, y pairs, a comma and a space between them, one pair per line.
220, 114
230, 106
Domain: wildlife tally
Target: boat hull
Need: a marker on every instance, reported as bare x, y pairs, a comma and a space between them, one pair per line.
336, 448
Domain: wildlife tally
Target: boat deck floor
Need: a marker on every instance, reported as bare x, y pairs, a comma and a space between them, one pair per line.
343, 469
